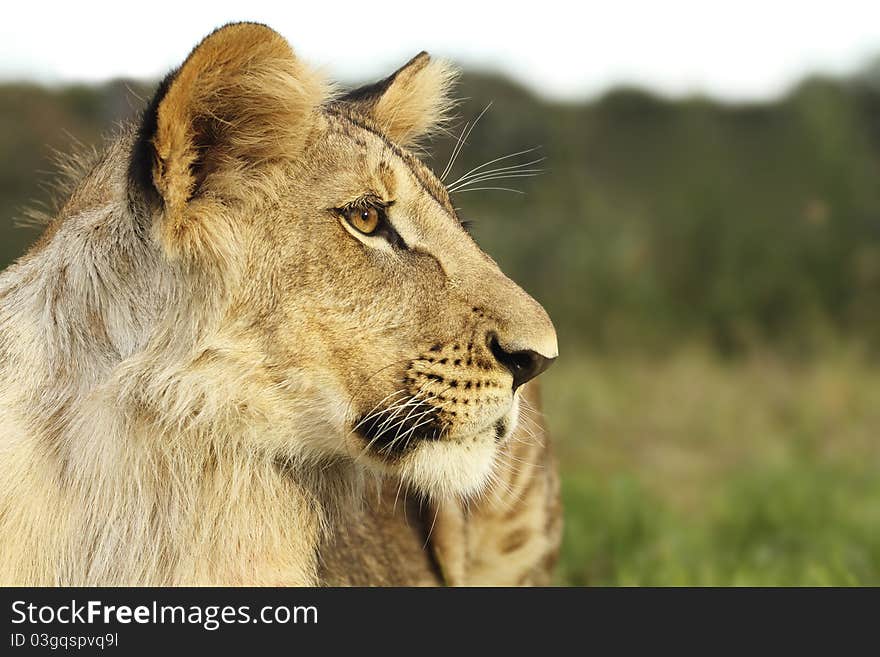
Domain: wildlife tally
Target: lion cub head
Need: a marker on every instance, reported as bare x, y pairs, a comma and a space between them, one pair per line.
380, 330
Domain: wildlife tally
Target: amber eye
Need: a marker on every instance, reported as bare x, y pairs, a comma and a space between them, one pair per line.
364, 219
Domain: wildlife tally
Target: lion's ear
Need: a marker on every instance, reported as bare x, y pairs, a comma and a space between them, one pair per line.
240, 99
411, 102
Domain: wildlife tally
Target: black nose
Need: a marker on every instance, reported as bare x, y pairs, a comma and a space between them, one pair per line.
524, 365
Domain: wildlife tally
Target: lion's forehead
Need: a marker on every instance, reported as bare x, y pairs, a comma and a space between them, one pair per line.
364, 135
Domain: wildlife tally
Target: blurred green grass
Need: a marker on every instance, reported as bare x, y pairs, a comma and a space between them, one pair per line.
692, 470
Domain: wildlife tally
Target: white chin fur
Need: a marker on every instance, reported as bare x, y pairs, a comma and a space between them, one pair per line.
443, 469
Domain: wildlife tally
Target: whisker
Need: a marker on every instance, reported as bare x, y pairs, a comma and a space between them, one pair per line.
489, 175
396, 495
413, 401
373, 411
498, 176
411, 430
400, 424
394, 412
455, 150
431, 530
394, 409
499, 159
524, 462
431, 397
523, 423
496, 482
499, 172
501, 189
512, 167
465, 134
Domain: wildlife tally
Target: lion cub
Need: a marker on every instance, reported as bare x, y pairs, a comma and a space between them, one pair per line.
256, 336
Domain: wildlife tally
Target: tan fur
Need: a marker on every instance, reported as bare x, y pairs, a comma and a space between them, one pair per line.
241, 99
511, 533
189, 356
418, 101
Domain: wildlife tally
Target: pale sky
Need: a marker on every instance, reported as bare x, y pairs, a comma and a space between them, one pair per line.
745, 50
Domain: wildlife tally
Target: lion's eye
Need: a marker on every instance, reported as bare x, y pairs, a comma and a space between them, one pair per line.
366, 220
371, 219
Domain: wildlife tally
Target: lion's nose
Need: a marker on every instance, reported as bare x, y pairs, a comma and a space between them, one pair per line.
524, 365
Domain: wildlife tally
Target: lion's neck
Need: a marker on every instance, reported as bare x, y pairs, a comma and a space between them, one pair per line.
131, 454
109, 499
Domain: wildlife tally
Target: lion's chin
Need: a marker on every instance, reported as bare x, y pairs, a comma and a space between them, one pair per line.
445, 469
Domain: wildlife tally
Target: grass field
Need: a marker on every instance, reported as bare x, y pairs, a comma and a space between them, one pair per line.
689, 470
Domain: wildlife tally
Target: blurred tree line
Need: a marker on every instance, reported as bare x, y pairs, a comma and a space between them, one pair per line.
654, 221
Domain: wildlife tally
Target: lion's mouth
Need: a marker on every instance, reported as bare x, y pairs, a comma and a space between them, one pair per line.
396, 429
400, 428
500, 428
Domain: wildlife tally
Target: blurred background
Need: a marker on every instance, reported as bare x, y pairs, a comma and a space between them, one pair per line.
705, 233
